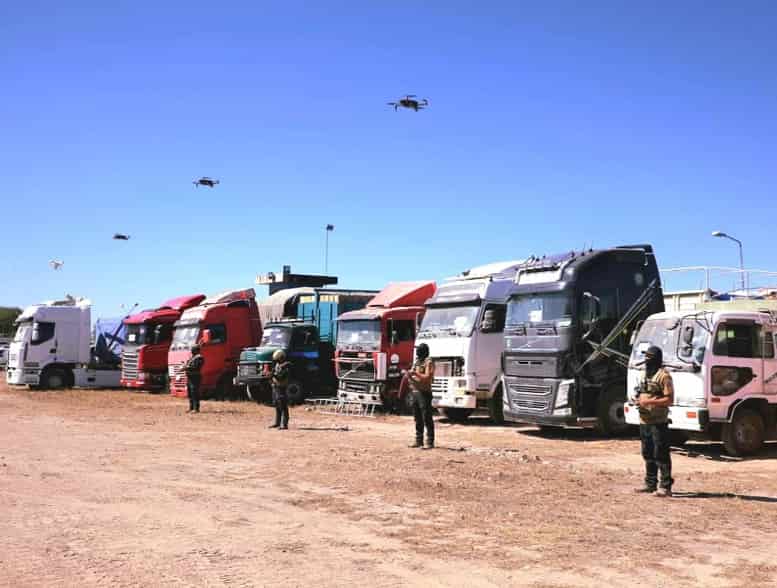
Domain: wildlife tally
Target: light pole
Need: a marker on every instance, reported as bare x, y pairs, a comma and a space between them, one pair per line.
329, 229
741, 258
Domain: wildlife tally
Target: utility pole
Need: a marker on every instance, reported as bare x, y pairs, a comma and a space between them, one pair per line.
329, 229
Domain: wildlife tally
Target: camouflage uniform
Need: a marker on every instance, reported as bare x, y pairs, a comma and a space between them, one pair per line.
422, 405
280, 396
193, 368
654, 431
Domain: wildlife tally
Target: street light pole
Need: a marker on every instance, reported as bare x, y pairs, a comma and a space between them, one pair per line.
329, 229
741, 257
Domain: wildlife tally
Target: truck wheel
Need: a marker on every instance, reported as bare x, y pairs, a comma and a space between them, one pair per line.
611, 418
677, 438
495, 409
457, 415
296, 392
744, 435
53, 379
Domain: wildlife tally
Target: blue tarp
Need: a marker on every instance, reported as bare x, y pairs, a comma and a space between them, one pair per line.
108, 335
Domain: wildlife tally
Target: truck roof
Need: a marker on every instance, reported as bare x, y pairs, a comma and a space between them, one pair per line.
230, 296
168, 312
733, 309
552, 268
400, 294
489, 270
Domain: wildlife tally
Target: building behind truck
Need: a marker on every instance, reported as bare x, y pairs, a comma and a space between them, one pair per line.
222, 325
567, 335
303, 323
148, 338
376, 343
463, 327
55, 347
722, 360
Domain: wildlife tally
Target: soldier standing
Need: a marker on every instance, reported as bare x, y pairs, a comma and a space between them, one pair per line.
193, 369
280, 396
656, 394
420, 380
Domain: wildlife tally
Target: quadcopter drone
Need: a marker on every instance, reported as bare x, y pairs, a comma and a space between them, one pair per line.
410, 101
56, 264
205, 181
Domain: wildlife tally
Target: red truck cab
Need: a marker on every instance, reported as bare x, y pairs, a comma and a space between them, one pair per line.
149, 333
222, 325
376, 343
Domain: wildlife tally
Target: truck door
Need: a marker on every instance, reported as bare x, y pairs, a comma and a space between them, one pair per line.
216, 354
770, 363
490, 343
736, 366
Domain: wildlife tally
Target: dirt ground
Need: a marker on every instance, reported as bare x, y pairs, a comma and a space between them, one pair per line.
124, 488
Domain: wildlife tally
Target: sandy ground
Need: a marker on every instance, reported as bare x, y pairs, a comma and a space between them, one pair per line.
123, 488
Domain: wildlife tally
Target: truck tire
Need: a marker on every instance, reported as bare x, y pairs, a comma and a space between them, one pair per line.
53, 379
677, 438
495, 408
744, 435
457, 415
610, 415
296, 392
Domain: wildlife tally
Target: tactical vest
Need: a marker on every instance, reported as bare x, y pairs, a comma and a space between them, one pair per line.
654, 387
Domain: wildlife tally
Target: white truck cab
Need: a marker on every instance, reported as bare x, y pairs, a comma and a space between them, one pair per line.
724, 370
463, 327
52, 348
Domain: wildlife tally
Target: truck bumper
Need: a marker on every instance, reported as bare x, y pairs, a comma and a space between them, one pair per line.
683, 418
457, 392
361, 391
563, 420
250, 380
151, 381
22, 376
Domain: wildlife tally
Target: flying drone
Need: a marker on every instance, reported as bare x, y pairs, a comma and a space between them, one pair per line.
410, 101
121, 237
205, 181
56, 264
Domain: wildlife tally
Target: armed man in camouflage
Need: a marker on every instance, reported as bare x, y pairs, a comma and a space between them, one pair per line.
193, 369
420, 381
655, 396
280, 395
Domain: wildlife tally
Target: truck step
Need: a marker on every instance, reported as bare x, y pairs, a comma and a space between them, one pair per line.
341, 407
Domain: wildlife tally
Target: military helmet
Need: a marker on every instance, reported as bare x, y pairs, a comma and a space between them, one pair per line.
279, 355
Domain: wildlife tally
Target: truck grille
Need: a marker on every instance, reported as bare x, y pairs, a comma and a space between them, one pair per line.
251, 369
129, 365
357, 368
439, 386
351, 386
527, 397
174, 371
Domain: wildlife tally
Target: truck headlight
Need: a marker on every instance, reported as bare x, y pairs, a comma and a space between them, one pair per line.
564, 392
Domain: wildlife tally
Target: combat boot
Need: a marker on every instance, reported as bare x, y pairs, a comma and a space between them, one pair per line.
645, 490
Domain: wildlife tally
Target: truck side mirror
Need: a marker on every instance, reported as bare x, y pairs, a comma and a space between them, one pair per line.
206, 337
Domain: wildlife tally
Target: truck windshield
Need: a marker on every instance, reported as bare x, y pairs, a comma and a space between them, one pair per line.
538, 308
185, 336
276, 337
23, 331
449, 320
364, 333
664, 334
137, 334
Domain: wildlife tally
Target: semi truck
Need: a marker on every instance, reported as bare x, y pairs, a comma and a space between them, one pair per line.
376, 343
463, 326
567, 335
303, 323
722, 360
54, 347
222, 325
148, 337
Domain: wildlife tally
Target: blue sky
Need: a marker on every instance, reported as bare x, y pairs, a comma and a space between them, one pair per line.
552, 125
